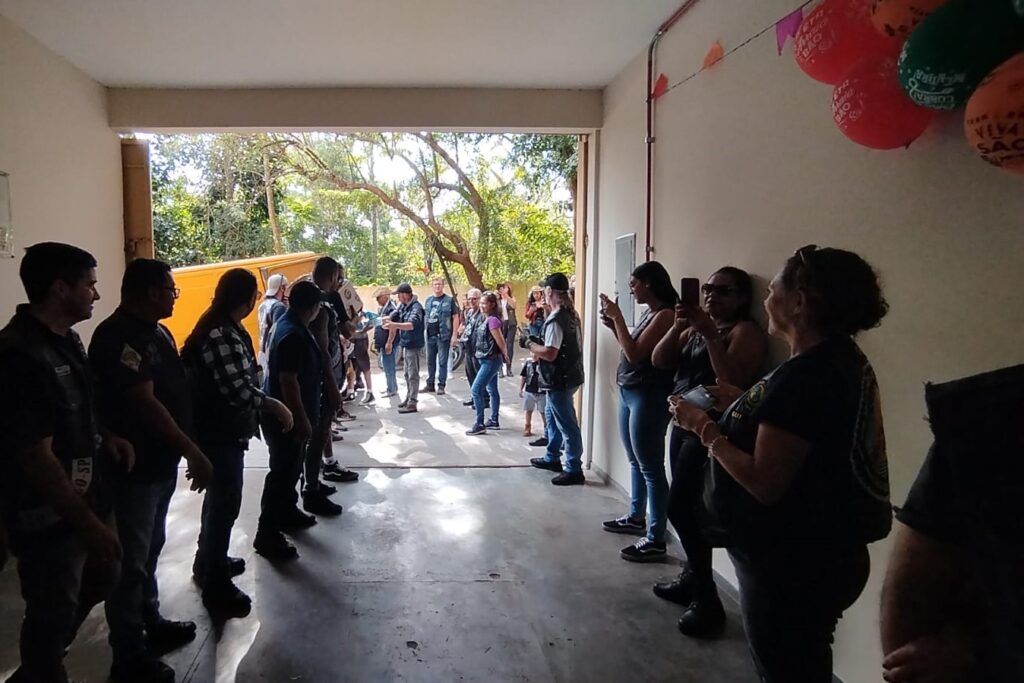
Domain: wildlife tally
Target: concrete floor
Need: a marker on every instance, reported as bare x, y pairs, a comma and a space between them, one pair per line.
440, 574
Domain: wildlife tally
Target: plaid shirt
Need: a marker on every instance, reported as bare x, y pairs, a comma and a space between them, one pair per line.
226, 354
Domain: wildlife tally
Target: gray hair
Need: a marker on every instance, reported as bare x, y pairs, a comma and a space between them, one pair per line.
474, 292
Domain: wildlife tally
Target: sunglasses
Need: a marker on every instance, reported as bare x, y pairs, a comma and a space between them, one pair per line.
805, 253
722, 290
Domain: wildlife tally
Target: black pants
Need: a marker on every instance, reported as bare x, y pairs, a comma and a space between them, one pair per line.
314, 453
472, 364
280, 494
688, 457
221, 504
60, 585
791, 600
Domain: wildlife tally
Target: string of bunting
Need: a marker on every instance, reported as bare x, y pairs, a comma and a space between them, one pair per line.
785, 27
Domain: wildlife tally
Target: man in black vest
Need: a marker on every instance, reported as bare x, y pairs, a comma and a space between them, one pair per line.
143, 395
560, 362
57, 522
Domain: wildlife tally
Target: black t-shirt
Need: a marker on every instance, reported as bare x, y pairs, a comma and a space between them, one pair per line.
968, 495
291, 354
827, 396
126, 352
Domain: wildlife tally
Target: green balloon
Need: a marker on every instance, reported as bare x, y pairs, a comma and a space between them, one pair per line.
955, 47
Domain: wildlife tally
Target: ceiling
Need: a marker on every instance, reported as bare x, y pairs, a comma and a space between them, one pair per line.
354, 43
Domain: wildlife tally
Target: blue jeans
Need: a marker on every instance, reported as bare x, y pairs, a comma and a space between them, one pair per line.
221, 504
437, 356
388, 362
141, 512
487, 379
643, 420
563, 427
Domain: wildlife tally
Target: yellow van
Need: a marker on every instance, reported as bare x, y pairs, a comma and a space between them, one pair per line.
197, 284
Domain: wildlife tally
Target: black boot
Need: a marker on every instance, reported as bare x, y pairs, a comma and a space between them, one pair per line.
679, 590
705, 617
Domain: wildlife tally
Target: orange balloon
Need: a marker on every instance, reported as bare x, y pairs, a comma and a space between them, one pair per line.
898, 18
994, 118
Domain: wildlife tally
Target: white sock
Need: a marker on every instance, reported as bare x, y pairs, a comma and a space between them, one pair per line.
330, 461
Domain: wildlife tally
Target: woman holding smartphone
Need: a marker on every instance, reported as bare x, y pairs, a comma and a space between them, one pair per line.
491, 353
642, 394
716, 344
797, 477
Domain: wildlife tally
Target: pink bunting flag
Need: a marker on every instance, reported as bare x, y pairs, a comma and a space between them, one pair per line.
786, 28
660, 86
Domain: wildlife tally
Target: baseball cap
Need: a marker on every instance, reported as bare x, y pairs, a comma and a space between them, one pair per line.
404, 288
557, 281
381, 291
275, 282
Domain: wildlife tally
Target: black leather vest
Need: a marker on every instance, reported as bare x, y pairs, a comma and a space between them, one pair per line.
566, 371
76, 436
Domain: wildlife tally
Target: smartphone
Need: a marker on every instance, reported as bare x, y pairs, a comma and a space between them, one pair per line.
700, 397
689, 292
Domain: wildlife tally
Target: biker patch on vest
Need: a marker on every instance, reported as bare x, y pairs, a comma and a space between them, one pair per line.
81, 473
130, 358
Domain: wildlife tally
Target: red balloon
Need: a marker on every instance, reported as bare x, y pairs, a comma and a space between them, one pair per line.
836, 35
870, 107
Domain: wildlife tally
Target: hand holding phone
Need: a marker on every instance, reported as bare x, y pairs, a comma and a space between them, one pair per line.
689, 292
699, 396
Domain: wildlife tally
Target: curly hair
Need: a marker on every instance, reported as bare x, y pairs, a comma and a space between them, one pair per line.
844, 290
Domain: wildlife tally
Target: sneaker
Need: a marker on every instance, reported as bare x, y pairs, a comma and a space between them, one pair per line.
295, 520
544, 464
389, 394
626, 525
569, 479
407, 408
541, 442
440, 390
144, 669
492, 423
368, 400
327, 489
346, 416
336, 434
705, 617
227, 600
318, 504
335, 472
165, 635
644, 550
477, 429
274, 546
428, 389
679, 590
468, 403
403, 404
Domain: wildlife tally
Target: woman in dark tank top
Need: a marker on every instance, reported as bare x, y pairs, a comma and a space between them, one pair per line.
716, 344
642, 394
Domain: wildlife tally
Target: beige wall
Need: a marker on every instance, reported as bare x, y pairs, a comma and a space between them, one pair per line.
750, 167
64, 162
156, 110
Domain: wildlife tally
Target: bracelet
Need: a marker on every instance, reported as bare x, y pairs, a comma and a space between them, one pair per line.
700, 432
714, 442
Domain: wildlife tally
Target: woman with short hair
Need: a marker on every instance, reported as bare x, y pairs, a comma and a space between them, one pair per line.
716, 344
797, 481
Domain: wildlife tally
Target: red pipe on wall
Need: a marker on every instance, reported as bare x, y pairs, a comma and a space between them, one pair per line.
669, 23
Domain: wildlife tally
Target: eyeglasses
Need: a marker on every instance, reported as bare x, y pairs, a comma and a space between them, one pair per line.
723, 290
175, 292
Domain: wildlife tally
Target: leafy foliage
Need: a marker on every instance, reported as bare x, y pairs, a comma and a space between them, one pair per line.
388, 205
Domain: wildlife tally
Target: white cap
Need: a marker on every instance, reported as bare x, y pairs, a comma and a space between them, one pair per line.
275, 282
